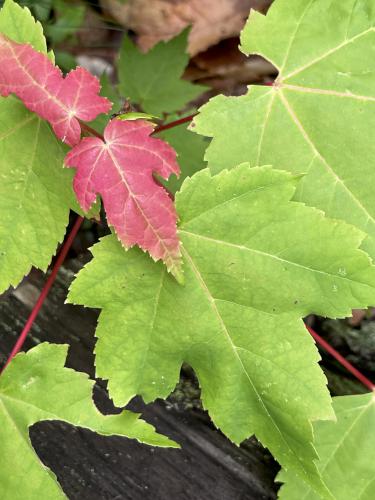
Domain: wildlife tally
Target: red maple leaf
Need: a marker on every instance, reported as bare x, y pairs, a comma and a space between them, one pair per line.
43, 89
121, 169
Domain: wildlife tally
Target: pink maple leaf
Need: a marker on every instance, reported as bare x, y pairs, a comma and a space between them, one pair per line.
41, 86
121, 169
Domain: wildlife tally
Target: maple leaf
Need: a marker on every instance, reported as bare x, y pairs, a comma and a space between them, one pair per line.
346, 453
255, 263
40, 84
157, 20
17, 23
319, 116
36, 387
121, 169
153, 80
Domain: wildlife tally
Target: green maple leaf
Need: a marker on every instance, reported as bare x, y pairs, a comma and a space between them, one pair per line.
36, 387
35, 191
153, 80
69, 19
319, 116
346, 450
18, 24
190, 150
255, 263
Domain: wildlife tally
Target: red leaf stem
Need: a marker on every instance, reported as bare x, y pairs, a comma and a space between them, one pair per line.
175, 123
345, 363
91, 131
43, 294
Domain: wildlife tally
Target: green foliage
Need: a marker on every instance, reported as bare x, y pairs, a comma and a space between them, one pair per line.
153, 80
65, 60
110, 93
255, 263
68, 20
319, 116
256, 260
346, 450
18, 24
37, 387
35, 191
190, 151
40, 9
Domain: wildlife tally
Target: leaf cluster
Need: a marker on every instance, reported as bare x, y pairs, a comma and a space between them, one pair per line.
278, 226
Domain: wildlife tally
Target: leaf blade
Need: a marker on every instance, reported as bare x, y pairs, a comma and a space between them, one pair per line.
121, 169
153, 80
344, 448
317, 118
233, 318
40, 85
36, 387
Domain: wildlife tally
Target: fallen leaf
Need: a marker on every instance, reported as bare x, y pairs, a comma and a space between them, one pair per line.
156, 20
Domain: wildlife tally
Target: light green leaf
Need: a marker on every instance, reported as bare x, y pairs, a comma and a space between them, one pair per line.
255, 263
153, 80
18, 24
346, 450
35, 191
36, 387
136, 115
319, 116
190, 150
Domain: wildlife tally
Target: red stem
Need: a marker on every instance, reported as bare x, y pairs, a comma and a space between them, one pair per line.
43, 294
175, 123
86, 128
327, 347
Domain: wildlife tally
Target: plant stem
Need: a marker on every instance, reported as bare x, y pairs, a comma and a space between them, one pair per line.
175, 123
327, 347
89, 130
43, 294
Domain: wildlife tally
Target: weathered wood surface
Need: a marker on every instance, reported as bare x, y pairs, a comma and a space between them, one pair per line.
93, 467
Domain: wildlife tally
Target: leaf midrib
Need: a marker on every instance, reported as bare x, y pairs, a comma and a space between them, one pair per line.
226, 201
170, 261
327, 92
211, 301
52, 97
269, 255
318, 154
327, 53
